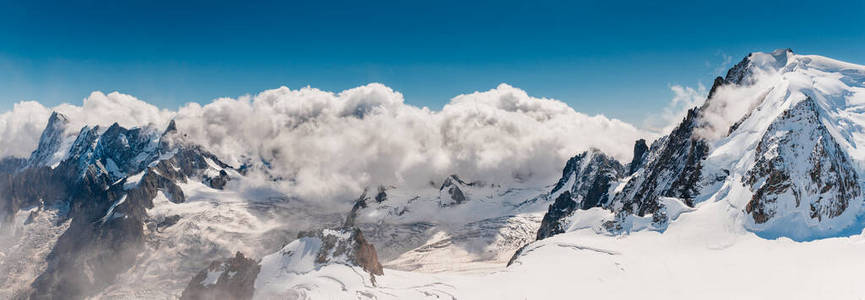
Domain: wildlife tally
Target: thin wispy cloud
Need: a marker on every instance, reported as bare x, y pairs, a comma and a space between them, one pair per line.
684, 98
719, 66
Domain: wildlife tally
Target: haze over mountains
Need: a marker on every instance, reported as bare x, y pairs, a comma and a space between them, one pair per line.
309, 194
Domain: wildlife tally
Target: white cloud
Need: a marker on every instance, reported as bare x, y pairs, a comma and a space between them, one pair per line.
21, 127
726, 61
332, 145
104, 110
684, 98
731, 103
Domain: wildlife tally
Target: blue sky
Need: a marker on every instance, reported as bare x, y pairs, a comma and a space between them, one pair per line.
619, 59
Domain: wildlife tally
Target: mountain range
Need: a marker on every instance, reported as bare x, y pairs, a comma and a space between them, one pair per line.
758, 183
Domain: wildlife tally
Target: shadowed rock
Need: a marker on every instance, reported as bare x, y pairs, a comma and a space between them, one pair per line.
231, 279
640, 150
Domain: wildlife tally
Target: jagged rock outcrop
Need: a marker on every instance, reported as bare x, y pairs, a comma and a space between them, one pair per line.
453, 191
640, 150
218, 181
381, 196
345, 245
743, 72
516, 255
585, 183
799, 164
359, 204
588, 177
552, 223
672, 169
231, 279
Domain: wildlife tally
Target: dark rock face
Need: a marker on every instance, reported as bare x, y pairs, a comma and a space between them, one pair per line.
673, 168
738, 74
585, 183
719, 82
560, 209
588, 177
452, 192
799, 161
42, 187
517, 254
11, 164
231, 279
382, 194
365, 255
640, 149
217, 182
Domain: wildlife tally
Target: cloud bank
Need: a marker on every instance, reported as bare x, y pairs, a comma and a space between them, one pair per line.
335, 144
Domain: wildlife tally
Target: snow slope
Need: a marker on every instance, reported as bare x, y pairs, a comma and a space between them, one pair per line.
424, 230
705, 253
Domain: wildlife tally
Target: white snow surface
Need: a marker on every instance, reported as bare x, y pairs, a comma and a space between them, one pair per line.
706, 253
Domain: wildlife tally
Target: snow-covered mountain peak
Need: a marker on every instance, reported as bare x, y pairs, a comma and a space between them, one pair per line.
796, 147
778, 138
775, 60
52, 143
801, 177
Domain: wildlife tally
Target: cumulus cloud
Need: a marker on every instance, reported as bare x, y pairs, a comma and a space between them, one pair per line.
104, 110
332, 145
20, 128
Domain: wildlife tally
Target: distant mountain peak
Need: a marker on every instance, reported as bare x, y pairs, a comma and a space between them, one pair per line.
49, 151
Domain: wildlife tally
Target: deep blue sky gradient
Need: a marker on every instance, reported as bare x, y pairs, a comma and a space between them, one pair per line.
615, 58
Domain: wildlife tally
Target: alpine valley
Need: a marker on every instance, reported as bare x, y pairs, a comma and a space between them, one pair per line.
763, 180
